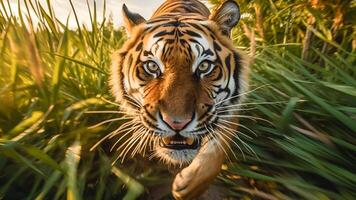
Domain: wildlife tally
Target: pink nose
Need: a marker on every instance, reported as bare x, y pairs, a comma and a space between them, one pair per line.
176, 124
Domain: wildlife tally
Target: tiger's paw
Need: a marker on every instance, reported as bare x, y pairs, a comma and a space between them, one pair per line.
188, 184
193, 180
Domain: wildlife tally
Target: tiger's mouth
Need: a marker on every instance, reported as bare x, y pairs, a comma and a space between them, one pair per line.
178, 142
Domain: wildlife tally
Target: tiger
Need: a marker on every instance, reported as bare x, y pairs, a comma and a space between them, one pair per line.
177, 76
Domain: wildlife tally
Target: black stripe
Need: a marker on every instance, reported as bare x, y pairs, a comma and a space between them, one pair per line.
139, 46
216, 46
237, 72
139, 75
161, 33
147, 53
193, 34
149, 114
196, 26
227, 62
208, 52
157, 20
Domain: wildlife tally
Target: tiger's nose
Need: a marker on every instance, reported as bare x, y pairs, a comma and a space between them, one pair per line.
175, 123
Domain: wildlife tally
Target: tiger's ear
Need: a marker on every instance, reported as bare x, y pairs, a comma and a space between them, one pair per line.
226, 16
131, 19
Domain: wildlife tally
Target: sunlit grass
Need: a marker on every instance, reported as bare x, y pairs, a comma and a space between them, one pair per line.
51, 76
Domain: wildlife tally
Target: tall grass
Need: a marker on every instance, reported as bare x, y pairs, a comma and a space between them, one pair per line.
298, 133
307, 147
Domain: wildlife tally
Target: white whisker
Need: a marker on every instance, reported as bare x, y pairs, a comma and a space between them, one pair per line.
141, 143
135, 102
222, 137
239, 139
126, 125
245, 116
240, 125
149, 142
110, 102
252, 103
131, 143
227, 128
110, 135
146, 139
222, 110
109, 112
110, 120
101, 140
227, 143
212, 134
129, 131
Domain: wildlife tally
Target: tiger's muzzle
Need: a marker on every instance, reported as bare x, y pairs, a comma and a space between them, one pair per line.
177, 141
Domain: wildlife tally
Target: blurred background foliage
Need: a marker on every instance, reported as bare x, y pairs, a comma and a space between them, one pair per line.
298, 130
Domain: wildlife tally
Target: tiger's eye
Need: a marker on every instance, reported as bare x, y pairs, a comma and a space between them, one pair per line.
152, 67
203, 67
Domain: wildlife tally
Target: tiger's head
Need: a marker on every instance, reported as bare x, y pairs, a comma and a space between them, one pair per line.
176, 75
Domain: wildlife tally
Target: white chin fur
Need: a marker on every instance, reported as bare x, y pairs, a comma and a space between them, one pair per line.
175, 157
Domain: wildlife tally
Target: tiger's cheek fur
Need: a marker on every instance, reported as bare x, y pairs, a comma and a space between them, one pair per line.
119, 65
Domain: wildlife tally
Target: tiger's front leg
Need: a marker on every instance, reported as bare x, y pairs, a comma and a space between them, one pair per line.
193, 180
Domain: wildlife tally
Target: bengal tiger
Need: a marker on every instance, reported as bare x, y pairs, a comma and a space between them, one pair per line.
178, 75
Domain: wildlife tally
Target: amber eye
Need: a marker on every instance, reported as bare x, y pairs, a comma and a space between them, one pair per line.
205, 67
152, 68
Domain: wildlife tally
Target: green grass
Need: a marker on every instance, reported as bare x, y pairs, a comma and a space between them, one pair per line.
303, 146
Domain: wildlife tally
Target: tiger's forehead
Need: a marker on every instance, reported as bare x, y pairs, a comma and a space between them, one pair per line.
178, 29
178, 39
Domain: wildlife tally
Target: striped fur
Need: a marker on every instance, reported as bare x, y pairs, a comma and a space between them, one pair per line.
178, 39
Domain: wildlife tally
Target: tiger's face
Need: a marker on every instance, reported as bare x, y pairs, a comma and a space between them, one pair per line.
174, 76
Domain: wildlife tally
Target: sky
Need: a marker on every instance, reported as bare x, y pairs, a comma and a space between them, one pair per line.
62, 9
